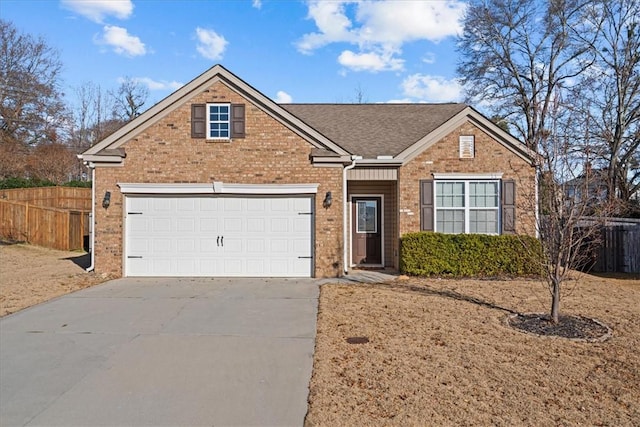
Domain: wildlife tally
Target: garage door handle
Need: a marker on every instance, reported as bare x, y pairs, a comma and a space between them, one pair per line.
222, 241
132, 256
218, 241
305, 257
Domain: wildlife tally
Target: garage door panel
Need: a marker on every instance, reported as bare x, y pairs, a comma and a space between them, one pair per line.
161, 204
301, 225
160, 246
279, 225
208, 245
255, 246
255, 225
161, 225
218, 236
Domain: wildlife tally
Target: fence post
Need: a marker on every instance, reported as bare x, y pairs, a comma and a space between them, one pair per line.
27, 227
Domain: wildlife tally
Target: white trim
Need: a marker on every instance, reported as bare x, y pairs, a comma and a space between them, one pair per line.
215, 74
467, 208
222, 188
470, 115
208, 121
216, 188
382, 242
346, 228
472, 176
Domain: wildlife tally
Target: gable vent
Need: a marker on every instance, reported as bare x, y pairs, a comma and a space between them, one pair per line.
467, 147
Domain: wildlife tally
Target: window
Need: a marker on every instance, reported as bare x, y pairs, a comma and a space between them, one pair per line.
367, 216
218, 119
467, 207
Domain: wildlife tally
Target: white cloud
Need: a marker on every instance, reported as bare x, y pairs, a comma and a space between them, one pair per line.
97, 10
331, 20
121, 41
211, 45
158, 84
370, 61
429, 58
432, 88
381, 26
283, 97
257, 4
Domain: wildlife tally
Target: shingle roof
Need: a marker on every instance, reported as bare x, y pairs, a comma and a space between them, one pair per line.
371, 130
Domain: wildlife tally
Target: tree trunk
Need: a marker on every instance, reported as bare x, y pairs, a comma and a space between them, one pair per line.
555, 302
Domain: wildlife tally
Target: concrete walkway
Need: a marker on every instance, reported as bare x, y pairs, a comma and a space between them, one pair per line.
162, 352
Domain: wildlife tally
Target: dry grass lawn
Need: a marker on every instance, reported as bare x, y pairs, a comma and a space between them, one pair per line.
30, 275
439, 353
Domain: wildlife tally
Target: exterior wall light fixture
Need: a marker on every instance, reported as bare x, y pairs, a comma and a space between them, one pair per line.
106, 201
326, 203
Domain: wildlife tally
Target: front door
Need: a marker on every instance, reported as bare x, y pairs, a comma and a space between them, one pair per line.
366, 241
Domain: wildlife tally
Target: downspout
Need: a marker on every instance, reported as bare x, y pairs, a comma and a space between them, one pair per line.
92, 223
537, 207
345, 204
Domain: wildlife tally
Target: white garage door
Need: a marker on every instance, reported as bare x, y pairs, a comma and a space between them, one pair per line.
218, 236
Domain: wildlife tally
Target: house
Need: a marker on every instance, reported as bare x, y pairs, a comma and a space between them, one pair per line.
589, 187
219, 180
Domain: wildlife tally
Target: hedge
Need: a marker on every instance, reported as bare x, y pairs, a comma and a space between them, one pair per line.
469, 255
10, 183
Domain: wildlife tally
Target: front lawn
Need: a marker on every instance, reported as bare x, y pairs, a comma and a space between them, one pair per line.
439, 353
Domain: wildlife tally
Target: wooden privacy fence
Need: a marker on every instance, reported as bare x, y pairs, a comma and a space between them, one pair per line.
53, 197
619, 250
52, 227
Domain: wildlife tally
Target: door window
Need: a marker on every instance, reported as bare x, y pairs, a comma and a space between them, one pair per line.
367, 216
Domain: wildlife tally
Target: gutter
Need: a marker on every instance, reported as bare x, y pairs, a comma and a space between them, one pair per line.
92, 223
345, 236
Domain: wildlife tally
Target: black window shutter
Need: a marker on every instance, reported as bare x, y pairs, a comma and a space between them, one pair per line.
426, 205
237, 121
508, 206
198, 121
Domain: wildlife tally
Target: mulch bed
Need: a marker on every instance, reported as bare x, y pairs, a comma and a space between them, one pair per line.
571, 327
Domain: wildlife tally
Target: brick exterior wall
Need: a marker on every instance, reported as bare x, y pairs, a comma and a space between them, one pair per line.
269, 154
443, 157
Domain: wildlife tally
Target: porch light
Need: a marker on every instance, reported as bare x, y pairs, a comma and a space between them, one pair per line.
327, 200
106, 201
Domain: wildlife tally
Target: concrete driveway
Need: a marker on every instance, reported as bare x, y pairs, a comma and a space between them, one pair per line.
161, 352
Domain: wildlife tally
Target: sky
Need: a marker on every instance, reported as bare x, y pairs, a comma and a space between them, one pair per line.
292, 51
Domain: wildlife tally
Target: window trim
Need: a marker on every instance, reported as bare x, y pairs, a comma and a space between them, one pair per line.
467, 196
208, 121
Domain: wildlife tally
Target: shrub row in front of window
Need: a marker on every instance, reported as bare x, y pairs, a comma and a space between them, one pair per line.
469, 255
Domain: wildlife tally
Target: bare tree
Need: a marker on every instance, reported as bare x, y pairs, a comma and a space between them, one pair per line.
572, 210
517, 54
52, 162
31, 103
94, 116
612, 88
129, 99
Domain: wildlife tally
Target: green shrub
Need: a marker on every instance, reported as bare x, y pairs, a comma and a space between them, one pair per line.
9, 183
80, 184
465, 255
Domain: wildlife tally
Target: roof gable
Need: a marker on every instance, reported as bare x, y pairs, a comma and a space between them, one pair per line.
182, 95
372, 130
469, 114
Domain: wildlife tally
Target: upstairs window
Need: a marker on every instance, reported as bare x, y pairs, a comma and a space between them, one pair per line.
218, 120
